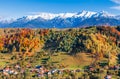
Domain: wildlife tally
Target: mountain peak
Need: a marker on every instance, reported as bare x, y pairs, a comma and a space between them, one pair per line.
49, 16
42, 15
103, 14
86, 14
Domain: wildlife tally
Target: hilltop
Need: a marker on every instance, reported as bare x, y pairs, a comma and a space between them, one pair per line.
96, 41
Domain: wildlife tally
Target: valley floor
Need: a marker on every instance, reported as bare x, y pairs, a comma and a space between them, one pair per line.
56, 66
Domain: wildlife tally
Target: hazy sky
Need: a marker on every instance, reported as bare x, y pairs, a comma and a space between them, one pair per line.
18, 8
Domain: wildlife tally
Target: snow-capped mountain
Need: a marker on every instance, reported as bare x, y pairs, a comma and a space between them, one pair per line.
65, 20
103, 14
85, 14
49, 16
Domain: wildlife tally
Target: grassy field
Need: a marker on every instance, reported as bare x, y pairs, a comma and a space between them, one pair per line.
56, 61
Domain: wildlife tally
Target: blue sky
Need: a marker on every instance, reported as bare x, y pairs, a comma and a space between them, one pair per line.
18, 8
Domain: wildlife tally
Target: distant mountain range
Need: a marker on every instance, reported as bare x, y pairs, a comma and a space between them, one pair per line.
63, 20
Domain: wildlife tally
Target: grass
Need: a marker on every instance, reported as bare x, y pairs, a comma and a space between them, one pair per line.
74, 62
5, 59
68, 61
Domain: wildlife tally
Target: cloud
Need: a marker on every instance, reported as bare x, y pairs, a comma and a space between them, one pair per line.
116, 1
115, 7
118, 4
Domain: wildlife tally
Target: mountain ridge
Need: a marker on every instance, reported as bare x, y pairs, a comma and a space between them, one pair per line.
64, 20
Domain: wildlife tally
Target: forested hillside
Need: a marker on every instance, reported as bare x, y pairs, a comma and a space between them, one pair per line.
99, 41
95, 40
60, 48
